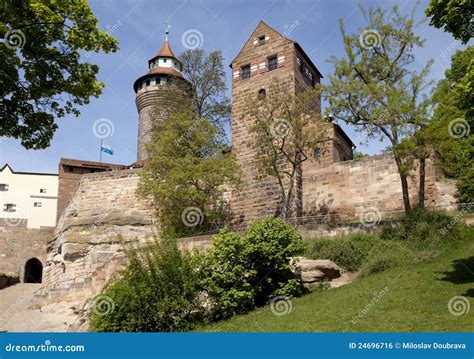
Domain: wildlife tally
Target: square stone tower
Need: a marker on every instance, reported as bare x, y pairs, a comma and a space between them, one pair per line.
268, 55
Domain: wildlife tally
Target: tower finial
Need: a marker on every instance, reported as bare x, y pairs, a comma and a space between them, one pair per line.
168, 26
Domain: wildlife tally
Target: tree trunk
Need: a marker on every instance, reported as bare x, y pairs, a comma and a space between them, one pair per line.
421, 188
404, 181
287, 198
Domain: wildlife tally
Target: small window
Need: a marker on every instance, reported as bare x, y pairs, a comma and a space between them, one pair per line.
43, 190
245, 73
158, 80
3, 187
261, 40
9, 207
37, 204
147, 82
70, 168
317, 152
262, 94
165, 60
272, 63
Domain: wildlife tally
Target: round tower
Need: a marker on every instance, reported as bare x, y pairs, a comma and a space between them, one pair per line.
164, 72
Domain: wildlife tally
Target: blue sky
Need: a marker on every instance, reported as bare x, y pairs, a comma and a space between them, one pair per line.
225, 25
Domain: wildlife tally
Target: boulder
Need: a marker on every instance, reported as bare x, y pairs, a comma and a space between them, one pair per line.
313, 276
317, 269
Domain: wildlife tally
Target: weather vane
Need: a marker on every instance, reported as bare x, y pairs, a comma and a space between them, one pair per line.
168, 26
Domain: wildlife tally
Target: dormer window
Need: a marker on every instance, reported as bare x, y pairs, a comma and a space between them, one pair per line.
272, 63
245, 72
261, 40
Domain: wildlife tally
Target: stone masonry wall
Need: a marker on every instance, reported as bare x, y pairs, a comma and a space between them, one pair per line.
88, 245
348, 189
19, 243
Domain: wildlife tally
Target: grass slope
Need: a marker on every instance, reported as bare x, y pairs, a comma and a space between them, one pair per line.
414, 298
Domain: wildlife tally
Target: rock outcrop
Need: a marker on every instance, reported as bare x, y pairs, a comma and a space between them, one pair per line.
315, 273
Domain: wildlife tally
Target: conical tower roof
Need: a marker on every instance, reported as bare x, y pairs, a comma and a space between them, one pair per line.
166, 51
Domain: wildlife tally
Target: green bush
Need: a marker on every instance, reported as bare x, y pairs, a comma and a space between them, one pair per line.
241, 273
157, 291
224, 276
348, 251
165, 289
423, 229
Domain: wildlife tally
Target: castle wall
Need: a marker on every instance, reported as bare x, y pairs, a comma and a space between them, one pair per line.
102, 217
105, 215
19, 243
352, 187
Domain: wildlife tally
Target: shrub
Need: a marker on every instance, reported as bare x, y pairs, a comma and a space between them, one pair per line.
348, 251
269, 246
157, 291
224, 276
423, 229
242, 273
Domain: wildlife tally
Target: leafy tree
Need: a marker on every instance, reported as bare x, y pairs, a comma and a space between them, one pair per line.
455, 16
453, 121
187, 173
286, 130
206, 74
189, 165
374, 88
40, 62
415, 150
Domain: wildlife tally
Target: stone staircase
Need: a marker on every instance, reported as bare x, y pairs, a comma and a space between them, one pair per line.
18, 312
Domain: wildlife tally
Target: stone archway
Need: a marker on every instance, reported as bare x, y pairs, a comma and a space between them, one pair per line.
33, 271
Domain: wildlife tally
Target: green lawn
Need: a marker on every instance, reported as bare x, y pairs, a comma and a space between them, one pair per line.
416, 299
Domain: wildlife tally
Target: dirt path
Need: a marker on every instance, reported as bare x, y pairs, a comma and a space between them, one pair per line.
18, 313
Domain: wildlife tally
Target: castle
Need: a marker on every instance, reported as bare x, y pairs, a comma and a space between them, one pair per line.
98, 208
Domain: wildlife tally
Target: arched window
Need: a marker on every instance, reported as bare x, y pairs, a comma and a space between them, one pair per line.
262, 94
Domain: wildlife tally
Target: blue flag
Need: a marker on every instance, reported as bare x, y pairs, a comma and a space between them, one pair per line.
107, 149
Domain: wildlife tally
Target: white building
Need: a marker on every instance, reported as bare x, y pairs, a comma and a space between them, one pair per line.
30, 196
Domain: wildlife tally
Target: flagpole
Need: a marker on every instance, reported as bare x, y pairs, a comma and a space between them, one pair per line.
100, 151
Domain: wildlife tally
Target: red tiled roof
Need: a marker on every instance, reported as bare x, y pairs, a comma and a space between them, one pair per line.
166, 51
